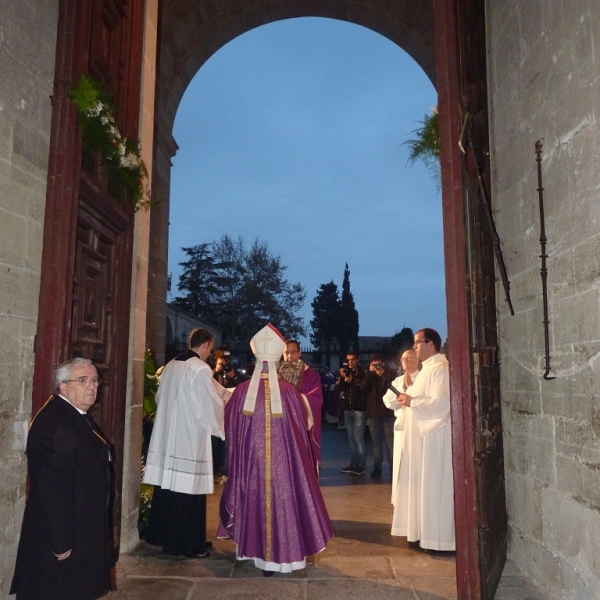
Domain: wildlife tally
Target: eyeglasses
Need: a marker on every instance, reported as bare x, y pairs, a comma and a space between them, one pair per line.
83, 381
421, 342
407, 359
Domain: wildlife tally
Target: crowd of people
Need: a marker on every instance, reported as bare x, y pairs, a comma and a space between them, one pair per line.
260, 436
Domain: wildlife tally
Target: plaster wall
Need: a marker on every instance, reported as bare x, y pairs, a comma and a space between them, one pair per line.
544, 71
27, 76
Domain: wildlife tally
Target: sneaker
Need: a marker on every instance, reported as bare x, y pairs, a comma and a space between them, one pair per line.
358, 471
376, 473
349, 469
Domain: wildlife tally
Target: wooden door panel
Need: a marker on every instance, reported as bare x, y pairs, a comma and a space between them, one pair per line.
470, 242
88, 234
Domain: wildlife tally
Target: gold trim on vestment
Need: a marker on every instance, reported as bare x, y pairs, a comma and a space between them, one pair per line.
269, 532
292, 372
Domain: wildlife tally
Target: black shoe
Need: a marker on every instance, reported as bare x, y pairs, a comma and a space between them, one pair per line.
440, 553
268, 573
348, 469
376, 473
208, 545
358, 471
202, 554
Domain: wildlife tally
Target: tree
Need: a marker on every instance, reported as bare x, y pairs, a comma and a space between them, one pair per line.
199, 281
349, 316
402, 340
326, 322
240, 289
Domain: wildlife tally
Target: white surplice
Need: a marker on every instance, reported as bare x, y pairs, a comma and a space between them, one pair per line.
189, 412
424, 504
391, 401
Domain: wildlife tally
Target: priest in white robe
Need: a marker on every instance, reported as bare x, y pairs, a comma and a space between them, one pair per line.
179, 464
403, 383
424, 506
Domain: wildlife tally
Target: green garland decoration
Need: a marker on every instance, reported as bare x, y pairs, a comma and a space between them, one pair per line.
426, 145
127, 171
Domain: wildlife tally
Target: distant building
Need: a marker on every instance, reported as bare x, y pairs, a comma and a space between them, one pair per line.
179, 324
370, 343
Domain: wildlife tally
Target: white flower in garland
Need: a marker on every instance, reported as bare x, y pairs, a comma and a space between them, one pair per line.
101, 132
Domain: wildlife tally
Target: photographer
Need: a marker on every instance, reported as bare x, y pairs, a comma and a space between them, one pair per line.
228, 377
354, 400
224, 372
380, 419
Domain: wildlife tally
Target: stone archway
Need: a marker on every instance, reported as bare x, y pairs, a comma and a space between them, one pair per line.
191, 31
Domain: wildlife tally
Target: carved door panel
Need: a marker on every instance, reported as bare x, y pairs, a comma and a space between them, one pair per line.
88, 229
100, 310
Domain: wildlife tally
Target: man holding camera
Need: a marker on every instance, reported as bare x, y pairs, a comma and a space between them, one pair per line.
380, 418
228, 377
224, 372
354, 400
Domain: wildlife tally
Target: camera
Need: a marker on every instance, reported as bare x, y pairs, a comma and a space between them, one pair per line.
346, 369
379, 366
227, 368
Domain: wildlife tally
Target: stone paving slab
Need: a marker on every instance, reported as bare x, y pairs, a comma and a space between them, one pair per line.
363, 561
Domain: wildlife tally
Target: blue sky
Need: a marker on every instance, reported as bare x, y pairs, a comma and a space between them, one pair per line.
293, 133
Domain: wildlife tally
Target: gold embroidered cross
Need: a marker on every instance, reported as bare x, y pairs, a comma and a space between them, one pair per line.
266, 341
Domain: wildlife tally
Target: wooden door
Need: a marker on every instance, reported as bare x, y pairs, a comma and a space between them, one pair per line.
88, 229
472, 255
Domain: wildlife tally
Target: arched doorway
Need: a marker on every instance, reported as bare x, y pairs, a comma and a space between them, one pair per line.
457, 66
107, 33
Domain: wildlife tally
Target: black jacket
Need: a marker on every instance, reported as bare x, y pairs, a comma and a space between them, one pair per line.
67, 508
353, 397
375, 386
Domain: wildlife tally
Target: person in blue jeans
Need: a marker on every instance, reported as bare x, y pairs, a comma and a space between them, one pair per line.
355, 417
380, 418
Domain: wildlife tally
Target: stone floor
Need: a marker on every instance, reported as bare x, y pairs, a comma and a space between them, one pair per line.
363, 561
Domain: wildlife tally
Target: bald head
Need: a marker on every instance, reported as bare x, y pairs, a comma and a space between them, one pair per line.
410, 361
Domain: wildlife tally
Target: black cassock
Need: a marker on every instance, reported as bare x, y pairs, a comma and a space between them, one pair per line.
67, 508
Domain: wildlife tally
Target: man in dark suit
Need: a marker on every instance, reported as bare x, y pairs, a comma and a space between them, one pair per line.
64, 546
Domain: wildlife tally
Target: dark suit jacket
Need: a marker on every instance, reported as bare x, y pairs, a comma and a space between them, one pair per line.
67, 508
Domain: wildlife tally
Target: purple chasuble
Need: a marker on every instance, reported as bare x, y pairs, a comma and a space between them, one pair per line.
272, 506
310, 386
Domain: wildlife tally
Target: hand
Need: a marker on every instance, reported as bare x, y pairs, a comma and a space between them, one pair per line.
404, 399
63, 555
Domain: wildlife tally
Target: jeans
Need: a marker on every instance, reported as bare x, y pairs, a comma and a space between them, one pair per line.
382, 434
356, 421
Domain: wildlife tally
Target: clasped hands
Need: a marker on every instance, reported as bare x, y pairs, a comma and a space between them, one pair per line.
404, 399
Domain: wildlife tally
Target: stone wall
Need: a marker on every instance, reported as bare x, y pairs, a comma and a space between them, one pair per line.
26, 81
544, 84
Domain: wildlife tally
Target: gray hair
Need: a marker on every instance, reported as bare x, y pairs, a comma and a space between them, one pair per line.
63, 373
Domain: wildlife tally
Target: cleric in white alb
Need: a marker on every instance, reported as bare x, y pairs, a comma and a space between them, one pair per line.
424, 506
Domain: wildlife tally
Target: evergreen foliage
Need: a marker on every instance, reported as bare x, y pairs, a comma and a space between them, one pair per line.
240, 289
402, 340
327, 318
335, 317
425, 145
126, 170
349, 316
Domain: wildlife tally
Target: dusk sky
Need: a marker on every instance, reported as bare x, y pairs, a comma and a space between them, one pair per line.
293, 133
